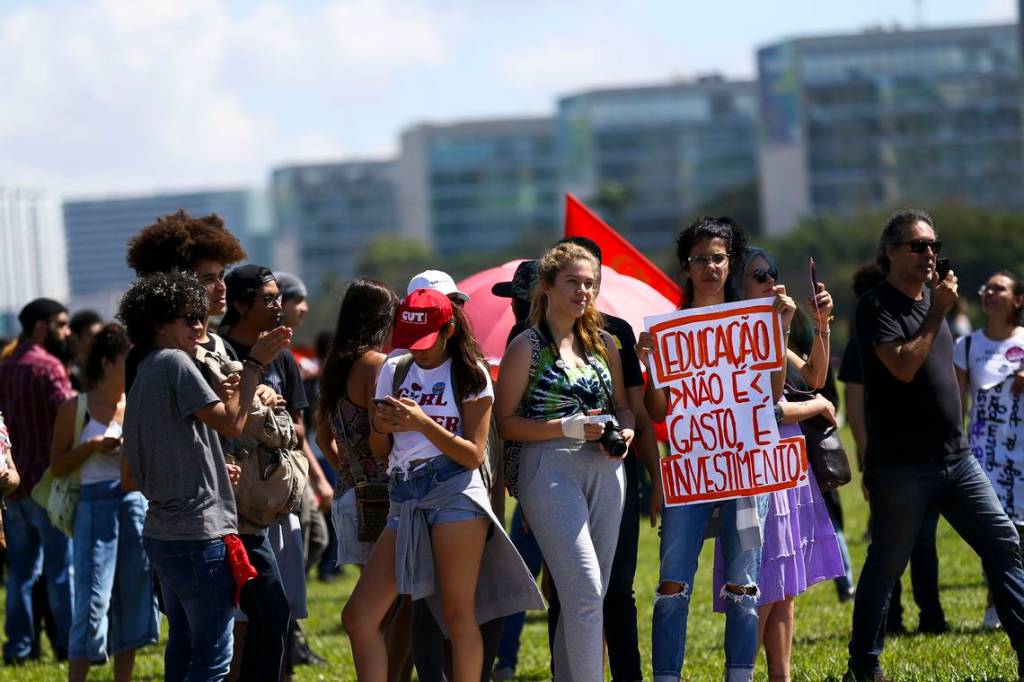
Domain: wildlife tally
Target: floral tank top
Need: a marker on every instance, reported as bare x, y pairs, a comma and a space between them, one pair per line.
353, 420
555, 392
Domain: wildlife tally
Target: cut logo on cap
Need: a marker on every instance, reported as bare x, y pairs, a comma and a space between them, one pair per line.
414, 317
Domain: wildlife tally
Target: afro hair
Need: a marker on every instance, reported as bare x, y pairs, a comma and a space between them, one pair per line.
179, 241
157, 299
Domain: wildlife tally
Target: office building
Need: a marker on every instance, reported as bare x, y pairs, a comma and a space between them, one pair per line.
882, 119
328, 214
672, 151
98, 231
32, 257
479, 186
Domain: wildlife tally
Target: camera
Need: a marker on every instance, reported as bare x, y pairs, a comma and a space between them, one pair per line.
612, 439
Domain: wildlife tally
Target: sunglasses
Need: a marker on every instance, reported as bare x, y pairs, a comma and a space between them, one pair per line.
920, 245
704, 260
272, 299
761, 275
192, 319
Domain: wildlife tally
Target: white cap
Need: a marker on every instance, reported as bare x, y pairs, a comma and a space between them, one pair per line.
437, 280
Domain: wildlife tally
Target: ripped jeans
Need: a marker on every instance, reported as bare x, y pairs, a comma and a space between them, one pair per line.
682, 536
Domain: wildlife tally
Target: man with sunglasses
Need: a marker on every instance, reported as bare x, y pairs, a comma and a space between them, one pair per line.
254, 307
917, 459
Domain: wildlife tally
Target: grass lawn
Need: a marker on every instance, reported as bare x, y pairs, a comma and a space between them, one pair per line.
822, 625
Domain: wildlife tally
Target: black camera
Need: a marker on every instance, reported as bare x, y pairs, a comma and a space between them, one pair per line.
612, 439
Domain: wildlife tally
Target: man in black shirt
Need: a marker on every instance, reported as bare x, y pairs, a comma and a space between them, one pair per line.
916, 458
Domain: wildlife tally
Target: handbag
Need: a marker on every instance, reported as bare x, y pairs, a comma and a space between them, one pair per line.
372, 499
59, 494
829, 462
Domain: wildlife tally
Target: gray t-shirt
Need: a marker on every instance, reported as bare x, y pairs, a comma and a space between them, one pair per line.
177, 459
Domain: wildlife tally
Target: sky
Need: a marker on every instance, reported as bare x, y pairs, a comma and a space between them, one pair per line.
120, 97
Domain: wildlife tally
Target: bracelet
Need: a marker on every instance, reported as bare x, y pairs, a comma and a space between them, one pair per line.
825, 334
785, 332
254, 365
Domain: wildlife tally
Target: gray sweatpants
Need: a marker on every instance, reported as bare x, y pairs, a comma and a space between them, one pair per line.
572, 497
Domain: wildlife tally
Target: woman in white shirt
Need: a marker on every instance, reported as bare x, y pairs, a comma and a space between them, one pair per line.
431, 418
112, 571
990, 370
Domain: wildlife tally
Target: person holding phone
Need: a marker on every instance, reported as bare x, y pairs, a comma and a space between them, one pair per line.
917, 459
442, 541
115, 609
571, 477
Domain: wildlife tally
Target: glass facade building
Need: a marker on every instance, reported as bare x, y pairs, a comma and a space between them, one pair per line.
98, 230
879, 119
327, 214
480, 186
671, 151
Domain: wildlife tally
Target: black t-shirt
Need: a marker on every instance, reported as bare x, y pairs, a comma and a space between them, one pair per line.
907, 422
850, 371
625, 340
282, 375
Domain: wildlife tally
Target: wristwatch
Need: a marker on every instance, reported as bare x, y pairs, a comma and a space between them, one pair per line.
778, 413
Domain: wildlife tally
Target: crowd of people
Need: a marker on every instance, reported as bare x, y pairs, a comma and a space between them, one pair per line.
184, 461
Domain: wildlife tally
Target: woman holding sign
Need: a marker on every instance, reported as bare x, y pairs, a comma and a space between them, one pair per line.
800, 546
561, 392
709, 251
990, 371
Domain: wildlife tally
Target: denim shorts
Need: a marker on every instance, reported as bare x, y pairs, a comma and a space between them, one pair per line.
345, 515
115, 607
415, 484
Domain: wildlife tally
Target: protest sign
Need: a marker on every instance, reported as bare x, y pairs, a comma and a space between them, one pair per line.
716, 362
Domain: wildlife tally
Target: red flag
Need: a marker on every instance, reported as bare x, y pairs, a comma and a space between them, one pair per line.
616, 252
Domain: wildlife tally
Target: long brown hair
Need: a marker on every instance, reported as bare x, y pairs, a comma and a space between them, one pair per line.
366, 315
466, 355
588, 326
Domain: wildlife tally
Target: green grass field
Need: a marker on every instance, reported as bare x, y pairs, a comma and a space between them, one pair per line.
822, 625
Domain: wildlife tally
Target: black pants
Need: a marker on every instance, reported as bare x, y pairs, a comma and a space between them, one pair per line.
620, 628
266, 605
924, 579
430, 650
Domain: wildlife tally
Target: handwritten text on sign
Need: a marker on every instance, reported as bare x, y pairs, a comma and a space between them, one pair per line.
716, 363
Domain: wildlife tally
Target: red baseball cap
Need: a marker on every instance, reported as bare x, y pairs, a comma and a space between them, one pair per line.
420, 318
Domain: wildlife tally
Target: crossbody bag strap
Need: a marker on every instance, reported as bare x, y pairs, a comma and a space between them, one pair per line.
81, 407
536, 346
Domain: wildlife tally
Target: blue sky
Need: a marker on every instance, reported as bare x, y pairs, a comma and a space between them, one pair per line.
129, 96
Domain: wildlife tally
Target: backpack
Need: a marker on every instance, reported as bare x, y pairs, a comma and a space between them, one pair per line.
492, 463
274, 469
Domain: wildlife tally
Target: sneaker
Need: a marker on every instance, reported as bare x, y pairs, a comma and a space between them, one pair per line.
936, 627
991, 619
301, 653
500, 674
850, 676
847, 595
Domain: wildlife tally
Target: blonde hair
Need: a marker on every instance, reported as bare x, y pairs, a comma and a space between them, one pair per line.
588, 326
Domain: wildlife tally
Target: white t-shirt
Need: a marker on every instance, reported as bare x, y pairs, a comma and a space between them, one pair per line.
432, 390
102, 466
996, 430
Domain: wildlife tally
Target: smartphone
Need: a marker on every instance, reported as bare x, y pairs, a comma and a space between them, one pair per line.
380, 401
814, 278
942, 268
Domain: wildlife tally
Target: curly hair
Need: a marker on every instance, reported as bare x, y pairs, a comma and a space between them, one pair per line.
157, 299
588, 326
706, 228
106, 344
179, 241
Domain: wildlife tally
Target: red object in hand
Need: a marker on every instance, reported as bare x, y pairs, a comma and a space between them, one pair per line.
241, 568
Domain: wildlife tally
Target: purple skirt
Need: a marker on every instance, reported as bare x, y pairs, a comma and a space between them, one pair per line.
799, 543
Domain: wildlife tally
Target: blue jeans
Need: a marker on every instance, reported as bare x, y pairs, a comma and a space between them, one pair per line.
682, 537
962, 493
199, 591
34, 548
526, 545
115, 607
266, 605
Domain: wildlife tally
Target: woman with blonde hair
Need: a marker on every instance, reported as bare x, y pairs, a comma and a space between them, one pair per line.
561, 392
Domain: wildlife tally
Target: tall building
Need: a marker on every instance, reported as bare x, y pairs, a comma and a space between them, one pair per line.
878, 119
670, 151
98, 231
32, 252
481, 185
327, 214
